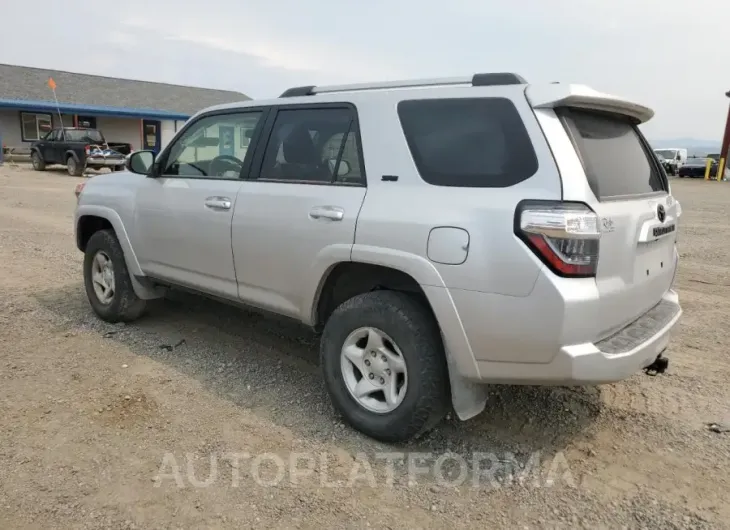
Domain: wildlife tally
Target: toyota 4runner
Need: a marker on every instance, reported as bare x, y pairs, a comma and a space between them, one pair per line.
441, 234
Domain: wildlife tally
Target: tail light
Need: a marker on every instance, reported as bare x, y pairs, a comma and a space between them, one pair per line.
78, 189
87, 150
564, 235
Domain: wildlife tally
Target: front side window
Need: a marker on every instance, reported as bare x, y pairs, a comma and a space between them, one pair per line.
468, 142
314, 145
34, 126
213, 147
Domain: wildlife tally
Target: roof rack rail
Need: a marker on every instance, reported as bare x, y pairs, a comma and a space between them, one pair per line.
497, 79
298, 91
485, 79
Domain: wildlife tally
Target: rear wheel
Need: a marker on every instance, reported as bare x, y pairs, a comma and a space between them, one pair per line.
37, 161
384, 365
106, 278
73, 167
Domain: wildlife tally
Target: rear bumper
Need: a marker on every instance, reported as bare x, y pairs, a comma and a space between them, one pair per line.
536, 341
104, 162
613, 359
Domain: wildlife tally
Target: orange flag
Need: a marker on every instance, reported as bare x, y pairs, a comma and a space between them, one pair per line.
51, 83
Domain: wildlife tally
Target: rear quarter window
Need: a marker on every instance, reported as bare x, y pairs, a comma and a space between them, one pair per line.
616, 158
468, 142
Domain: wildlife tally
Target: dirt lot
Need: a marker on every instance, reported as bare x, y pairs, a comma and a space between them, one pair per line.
204, 416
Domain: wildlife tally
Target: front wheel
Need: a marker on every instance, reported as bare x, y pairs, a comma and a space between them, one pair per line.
106, 278
384, 365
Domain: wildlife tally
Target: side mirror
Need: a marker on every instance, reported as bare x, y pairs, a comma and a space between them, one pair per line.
343, 170
140, 162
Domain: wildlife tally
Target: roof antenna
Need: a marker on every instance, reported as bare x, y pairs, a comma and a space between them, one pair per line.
52, 86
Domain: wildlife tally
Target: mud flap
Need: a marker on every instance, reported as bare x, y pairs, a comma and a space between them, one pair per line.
467, 398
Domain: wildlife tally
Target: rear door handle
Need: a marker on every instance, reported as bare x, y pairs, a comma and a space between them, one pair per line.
218, 203
333, 213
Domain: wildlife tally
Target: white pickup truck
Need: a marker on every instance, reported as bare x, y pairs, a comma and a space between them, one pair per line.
673, 159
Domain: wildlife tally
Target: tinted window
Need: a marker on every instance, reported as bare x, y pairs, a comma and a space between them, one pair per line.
314, 145
616, 160
479, 143
213, 147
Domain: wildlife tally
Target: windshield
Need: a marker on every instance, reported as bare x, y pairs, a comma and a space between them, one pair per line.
84, 135
697, 161
669, 154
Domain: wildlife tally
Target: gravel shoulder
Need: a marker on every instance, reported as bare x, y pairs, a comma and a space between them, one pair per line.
106, 426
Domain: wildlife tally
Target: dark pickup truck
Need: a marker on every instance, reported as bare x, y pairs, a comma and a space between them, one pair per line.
77, 149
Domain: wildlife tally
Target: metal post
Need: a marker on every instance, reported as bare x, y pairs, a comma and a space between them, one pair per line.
725, 145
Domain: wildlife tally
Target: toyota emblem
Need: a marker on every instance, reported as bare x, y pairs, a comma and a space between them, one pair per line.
661, 213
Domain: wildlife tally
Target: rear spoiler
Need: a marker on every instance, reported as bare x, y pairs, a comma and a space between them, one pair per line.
581, 96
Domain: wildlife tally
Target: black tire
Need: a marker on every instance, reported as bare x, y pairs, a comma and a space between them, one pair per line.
414, 329
125, 306
73, 167
37, 161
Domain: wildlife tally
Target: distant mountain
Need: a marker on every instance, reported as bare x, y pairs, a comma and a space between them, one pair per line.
693, 145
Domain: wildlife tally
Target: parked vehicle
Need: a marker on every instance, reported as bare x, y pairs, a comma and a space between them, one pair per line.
674, 158
75, 148
441, 234
696, 167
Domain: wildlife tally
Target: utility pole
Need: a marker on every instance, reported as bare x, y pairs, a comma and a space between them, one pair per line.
725, 145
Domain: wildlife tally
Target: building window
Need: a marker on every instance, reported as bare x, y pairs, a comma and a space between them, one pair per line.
88, 122
34, 126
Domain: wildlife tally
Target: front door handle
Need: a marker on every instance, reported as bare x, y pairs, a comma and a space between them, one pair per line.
218, 203
333, 213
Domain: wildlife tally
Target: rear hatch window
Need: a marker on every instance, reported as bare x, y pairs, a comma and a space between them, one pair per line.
616, 158
468, 142
84, 135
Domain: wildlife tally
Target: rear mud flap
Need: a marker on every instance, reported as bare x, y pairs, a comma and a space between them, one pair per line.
467, 398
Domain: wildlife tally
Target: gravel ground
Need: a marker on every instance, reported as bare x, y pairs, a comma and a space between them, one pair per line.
205, 416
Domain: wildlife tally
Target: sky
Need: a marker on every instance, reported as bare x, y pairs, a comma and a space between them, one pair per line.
672, 55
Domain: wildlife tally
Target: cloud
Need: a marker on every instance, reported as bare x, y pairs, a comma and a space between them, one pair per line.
666, 54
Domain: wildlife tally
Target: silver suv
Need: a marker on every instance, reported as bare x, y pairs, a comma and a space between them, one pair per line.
440, 234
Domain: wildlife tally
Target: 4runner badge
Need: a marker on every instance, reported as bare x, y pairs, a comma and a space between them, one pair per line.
607, 224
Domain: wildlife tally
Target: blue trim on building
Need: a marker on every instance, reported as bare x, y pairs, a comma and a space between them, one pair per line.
74, 108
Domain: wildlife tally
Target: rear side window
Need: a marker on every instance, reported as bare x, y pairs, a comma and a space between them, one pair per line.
616, 160
470, 142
